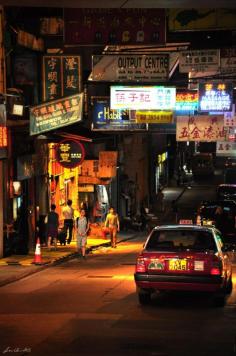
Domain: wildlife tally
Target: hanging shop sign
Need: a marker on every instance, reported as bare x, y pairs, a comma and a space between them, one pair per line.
55, 114
86, 188
215, 96
3, 136
229, 119
89, 168
51, 26
142, 98
104, 118
228, 60
153, 117
203, 60
201, 19
127, 68
28, 40
3, 114
61, 76
70, 153
231, 134
93, 180
186, 101
208, 128
114, 26
107, 164
225, 148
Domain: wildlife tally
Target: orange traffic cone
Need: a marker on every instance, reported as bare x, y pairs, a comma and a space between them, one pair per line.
37, 255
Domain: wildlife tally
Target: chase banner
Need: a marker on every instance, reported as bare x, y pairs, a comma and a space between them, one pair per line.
107, 119
56, 114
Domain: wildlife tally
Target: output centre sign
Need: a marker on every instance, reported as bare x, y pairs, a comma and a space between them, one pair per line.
126, 68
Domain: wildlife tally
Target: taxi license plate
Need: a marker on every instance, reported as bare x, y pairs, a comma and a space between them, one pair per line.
178, 265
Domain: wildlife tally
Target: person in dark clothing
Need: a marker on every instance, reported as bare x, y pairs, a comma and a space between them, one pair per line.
52, 226
143, 217
219, 219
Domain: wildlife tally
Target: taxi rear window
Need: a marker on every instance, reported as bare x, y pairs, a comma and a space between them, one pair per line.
181, 240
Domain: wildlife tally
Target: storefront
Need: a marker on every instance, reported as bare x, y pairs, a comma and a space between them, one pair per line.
161, 174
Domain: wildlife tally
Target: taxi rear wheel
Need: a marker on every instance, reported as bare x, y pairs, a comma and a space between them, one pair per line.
144, 298
229, 286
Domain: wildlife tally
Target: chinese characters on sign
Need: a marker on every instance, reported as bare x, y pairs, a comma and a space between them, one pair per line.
215, 96
228, 60
107, 164
153, 117
3, 136
61, 76
199, 60
143, 98
230, 118
186, 101
225, 148
114, 26
127, 68
55, 114
200, 128
70, 153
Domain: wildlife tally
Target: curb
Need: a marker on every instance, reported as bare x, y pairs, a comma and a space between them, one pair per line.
56, 262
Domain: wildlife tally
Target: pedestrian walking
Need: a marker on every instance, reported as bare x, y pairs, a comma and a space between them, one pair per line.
52, 221
82, 228
68, 215
113, 223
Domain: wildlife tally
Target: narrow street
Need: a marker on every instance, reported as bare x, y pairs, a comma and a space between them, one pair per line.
90, 308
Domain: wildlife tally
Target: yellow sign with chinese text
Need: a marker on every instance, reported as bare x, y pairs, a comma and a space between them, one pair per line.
154, 117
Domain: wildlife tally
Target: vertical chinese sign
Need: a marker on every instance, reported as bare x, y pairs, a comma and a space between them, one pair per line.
3, 136
61, 76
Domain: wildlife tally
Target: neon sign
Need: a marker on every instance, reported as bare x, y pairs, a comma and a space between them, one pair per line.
142, 98
186, 100
215, 96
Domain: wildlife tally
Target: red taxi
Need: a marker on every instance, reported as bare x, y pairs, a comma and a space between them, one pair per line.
183, 258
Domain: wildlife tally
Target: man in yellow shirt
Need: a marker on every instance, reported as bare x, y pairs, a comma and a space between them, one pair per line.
113, 223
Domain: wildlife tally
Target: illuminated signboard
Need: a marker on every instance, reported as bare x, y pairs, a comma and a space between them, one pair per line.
186, 101
215, 96
55, 114
142, 98
153, 117
104, 118
3, 136
70, 153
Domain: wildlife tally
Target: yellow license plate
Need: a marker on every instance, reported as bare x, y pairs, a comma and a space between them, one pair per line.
178, 265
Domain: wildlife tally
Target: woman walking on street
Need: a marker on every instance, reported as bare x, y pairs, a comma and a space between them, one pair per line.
82, 228
113, 223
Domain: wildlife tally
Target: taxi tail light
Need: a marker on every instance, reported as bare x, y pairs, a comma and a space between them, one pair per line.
216, 268
140, 265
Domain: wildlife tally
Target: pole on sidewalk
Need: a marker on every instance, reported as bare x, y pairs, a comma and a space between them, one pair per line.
2, 90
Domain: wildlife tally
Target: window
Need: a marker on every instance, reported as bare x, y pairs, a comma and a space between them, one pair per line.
181, 240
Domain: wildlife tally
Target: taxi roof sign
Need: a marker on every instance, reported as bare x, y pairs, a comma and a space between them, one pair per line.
186, 222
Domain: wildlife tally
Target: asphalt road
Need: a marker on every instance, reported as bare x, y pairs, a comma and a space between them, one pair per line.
90, 308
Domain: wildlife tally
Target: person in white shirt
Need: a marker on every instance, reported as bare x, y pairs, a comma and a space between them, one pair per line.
68, 215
